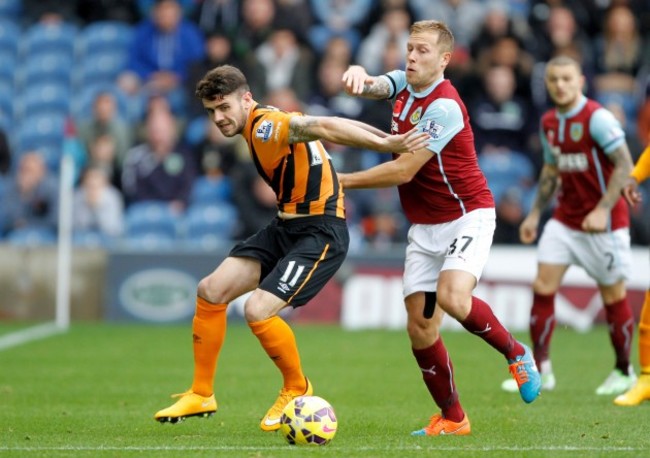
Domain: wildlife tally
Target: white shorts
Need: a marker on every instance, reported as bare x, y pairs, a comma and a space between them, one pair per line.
606, 257
463, 244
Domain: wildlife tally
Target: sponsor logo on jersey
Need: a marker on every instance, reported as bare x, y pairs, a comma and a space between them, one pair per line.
576, 130
433, 129
573, 162
264, 130
416, 115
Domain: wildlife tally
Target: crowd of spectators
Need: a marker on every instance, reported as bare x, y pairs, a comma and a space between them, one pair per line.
145, 137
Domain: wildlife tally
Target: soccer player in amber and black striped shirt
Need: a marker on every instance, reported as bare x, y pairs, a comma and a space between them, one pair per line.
290, 260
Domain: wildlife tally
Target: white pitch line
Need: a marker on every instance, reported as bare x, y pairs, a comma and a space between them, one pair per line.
27, 335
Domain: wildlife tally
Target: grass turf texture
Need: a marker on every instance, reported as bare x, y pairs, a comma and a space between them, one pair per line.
93, 392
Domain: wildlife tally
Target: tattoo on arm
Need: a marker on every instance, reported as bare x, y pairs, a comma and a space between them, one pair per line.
380, 89
300, 129
546, 187
617, 180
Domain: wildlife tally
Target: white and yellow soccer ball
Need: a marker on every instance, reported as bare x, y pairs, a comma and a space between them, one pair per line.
308, 420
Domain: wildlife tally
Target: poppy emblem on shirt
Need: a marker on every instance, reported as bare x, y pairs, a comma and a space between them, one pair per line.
416, 115
433, 129
576, 131
397, 108
264, 130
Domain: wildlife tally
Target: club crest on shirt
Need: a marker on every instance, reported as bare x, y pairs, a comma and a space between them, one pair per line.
264, 130
576, 131
416, 115
433, 129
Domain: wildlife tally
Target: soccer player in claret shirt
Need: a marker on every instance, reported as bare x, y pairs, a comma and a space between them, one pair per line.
446, 198
586, 157
641, 390
292, 258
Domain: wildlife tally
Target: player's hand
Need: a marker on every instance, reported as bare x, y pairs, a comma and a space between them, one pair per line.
631, 192
355, 78
409, 142
528, 229
596, 220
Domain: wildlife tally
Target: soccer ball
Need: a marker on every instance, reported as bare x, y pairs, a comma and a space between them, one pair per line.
308, 420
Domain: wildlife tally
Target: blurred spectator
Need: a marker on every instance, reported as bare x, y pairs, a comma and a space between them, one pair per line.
500, 118
338, 18
31, 200
49, 11
585, 14
510, 213
284, 99
329, 97
5, 153
256, 26
108, 10
218, 51
217, 16
217, 154
393, 28
97, 206
163, 48
618, 61
158, 169
463, 17
295, 15
283, 63
106, 122
102, 155
254, 198
146, 6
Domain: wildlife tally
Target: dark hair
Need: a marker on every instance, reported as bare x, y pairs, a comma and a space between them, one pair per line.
221, 81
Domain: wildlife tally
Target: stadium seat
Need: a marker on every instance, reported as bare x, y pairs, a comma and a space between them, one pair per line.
44, 99
504, 170
6, 108
90, 239
151, 217
45, 68
147, 241
105, 36
9, 36
31, 236
100, 68
208, 190
196, 130
10, 9
215, 220
49, 37
40, 130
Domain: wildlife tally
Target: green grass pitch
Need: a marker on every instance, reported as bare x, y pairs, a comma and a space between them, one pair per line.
93, 391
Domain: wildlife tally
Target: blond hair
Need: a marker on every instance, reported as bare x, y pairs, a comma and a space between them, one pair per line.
445, 37
563, 60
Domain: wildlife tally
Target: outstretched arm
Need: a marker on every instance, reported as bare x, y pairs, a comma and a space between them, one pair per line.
353, 133
357, 82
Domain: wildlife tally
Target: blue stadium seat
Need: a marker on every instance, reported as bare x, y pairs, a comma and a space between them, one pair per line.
216, 220
151, 217
196, 130
10, 35
90, 239
11, 9
31, 236
100, 68
504, 170
40, 130
105, 36
46, 68
207, 190
43, 38
44, 99
6, 108
147, 241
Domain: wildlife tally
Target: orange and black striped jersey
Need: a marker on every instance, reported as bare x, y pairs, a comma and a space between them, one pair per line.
301, 174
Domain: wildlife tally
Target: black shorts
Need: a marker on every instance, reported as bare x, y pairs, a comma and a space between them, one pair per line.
298, 256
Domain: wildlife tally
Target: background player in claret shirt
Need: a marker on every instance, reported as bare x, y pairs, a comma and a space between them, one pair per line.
641, 390
290, 260
586, 156
445, 196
